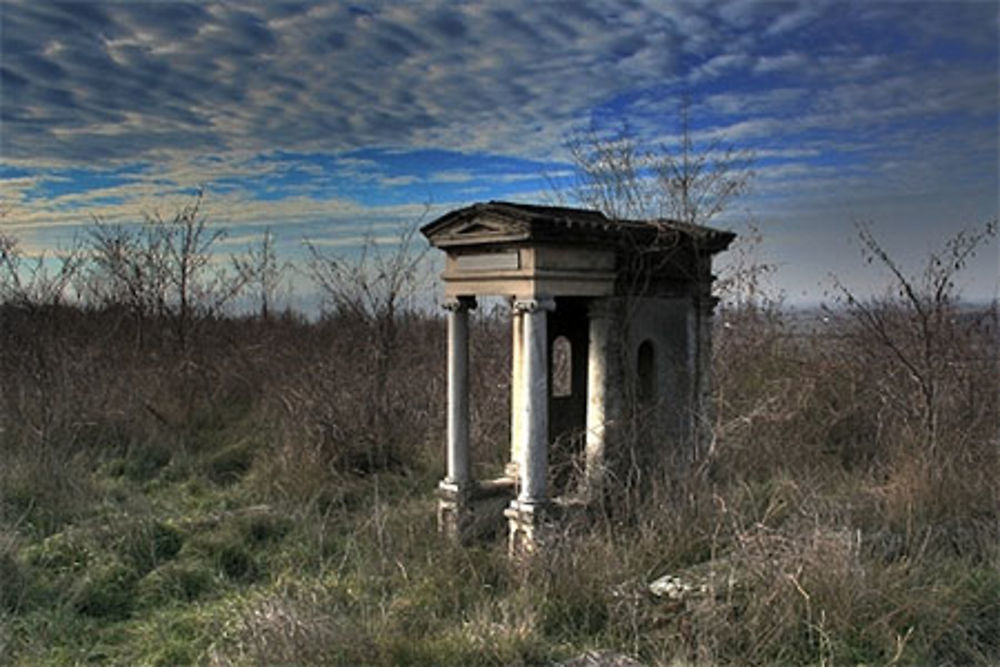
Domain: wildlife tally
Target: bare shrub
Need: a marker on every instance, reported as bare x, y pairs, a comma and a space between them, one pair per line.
163, 269
35, 283
691, 183
928, 364
918, 330
373, 294
261, 272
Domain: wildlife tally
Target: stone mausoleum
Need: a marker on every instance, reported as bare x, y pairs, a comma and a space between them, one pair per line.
611, 331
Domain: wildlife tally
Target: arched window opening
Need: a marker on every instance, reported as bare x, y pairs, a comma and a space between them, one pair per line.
646, 372
562, 367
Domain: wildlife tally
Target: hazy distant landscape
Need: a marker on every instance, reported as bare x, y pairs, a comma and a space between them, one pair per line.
184, 486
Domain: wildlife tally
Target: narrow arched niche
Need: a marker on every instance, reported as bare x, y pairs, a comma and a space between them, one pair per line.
645, 372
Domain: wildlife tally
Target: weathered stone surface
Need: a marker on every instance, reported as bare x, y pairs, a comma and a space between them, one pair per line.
714, 577
674, 588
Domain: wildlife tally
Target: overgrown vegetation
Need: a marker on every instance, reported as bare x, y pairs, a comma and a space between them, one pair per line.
689, 182
207, 489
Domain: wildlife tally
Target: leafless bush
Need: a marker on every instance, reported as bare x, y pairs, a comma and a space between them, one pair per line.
918, 331
163, 269
688, 183
262, 273
374, 295
33, 283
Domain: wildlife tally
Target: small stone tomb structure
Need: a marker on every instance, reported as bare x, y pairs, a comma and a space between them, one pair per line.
624, 309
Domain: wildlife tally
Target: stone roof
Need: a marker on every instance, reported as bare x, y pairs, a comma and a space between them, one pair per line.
503, 222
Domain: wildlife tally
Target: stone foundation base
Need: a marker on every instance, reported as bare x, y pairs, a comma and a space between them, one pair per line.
473, 511
528, 526
537, 525
452, 510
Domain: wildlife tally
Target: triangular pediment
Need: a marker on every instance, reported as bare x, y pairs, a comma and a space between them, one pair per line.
476, 227
487, 225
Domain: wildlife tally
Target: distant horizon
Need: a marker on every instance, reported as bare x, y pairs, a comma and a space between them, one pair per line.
307, 298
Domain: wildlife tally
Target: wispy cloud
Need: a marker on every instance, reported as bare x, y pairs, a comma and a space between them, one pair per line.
126, 80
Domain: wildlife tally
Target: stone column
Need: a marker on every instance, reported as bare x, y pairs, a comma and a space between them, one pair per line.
704, 409
516, 393
601, 364
530, 398
534, 376
454, 513
458, 390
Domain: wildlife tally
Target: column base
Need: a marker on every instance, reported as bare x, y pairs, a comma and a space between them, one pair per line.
592, 487
529, 525
474, 510
452, 510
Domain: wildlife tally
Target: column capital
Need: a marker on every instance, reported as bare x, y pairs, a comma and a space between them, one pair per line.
534, 305
459, 303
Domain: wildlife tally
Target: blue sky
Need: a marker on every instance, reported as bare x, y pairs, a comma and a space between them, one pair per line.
329, 120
